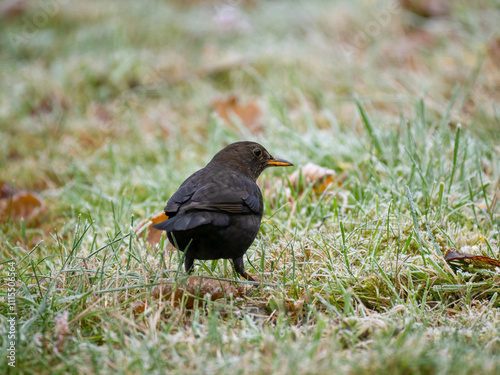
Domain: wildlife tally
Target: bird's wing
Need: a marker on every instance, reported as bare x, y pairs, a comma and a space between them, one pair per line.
182, 195
192, 220
239, 198
193, 205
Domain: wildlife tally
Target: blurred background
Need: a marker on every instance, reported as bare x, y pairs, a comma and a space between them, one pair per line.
107, 93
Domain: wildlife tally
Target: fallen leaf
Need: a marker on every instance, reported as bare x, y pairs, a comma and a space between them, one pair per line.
19, 204
153, 236
320, 177
194, 288
307, 252
494, 49
464, 260
13, 9
139, 307
248, 113
427, 8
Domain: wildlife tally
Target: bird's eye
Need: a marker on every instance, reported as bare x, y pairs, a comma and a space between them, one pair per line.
257, 152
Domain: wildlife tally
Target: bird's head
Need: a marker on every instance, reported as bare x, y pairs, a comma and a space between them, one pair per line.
250, 157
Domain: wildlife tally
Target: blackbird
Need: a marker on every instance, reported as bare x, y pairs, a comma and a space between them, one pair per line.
216, 212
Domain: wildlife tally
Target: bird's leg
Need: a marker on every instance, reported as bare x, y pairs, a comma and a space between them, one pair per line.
239, 266
188, 264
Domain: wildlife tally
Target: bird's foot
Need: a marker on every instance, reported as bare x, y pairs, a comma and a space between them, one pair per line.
250, 278
189, 264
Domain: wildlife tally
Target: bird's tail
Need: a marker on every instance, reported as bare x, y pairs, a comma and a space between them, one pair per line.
183, 222
164, 225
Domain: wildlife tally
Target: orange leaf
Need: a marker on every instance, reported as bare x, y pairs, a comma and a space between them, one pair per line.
320, 177
139, 307
20, 205
153, 235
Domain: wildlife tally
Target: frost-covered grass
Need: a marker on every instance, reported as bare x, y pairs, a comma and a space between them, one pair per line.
106, 108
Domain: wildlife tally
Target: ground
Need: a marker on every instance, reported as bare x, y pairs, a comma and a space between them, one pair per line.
106, 107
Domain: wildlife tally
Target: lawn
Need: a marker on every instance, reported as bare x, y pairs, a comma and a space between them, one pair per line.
390, 113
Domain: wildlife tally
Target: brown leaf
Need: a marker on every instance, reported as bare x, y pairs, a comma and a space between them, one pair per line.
13, 9
427, 8
195, 288
20, 204
249, 113
464, 260
139, 307
153, 236
494, 50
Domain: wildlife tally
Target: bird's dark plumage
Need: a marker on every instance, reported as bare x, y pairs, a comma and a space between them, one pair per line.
216, 212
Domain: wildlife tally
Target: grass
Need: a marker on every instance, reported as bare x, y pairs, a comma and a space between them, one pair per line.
110, 107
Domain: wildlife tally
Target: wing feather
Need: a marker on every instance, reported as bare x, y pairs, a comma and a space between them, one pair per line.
193, 205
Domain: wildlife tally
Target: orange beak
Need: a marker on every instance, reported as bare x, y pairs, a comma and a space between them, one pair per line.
278, 162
